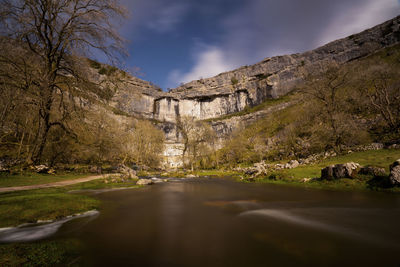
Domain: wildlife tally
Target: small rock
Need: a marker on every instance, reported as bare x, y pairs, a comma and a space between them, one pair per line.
292, 164
41, 169
395, 173
126, 171
394, 146
347, 170
305, 180
144, 182
4, 169
191, 176
95, 169
157, 180
370, 170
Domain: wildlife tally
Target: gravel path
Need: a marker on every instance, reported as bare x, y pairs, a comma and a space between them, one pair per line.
56, 184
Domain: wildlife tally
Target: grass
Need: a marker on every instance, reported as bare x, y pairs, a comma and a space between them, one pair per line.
43, 253
18, 208
47, 204
51, 203
30, 178
378, 158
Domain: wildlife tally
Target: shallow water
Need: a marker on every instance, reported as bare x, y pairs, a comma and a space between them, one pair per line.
216, 222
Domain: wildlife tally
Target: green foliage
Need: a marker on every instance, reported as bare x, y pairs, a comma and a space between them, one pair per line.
342, 108
107, 70
234, 81
94, 64
379, 158
41, 253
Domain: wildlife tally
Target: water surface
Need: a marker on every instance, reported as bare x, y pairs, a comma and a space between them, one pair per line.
217, 222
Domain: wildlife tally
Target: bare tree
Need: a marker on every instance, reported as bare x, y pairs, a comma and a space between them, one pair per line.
56, 34
326, 90
197, 137
381, 84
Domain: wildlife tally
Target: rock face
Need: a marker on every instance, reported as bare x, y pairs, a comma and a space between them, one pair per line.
347, 170
395, 173
235, 90
249, 85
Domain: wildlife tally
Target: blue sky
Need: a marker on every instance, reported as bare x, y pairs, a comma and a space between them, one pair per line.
175, 41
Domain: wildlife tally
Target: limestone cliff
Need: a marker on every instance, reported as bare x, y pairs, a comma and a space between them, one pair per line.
232, 91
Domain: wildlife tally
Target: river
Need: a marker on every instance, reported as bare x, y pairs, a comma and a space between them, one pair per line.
218, 222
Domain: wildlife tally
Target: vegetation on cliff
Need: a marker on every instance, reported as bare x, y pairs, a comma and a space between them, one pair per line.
345, 107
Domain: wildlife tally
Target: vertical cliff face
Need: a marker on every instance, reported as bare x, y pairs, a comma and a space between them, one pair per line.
249, 85
232, 91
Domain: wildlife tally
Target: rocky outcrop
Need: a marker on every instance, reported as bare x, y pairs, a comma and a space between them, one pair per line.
42, 169
338, 171
126, 171
249, 85
276, 76
235, 90
395, 173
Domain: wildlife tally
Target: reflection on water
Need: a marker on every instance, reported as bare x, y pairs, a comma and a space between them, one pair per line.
170, 213
31, 232
205, 222
355, 232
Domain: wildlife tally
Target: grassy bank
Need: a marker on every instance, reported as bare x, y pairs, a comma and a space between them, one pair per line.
47, 204
50, 204
42, 253
378, 158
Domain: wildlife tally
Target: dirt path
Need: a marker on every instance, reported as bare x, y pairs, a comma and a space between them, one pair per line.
55, 184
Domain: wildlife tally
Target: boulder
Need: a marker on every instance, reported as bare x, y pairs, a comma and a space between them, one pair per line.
250, 171
395, 173
95, 169
126, 171
371, 170
292, 164
43, 169
3, 168
261, 168
279, 166
157, 180
327, 173
394, 146
347, 170
144, 182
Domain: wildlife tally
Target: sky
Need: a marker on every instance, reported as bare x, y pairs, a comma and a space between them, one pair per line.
174, 41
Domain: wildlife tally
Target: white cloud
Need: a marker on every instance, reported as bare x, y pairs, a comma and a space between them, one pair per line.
358, 19
209, 61
168, 17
